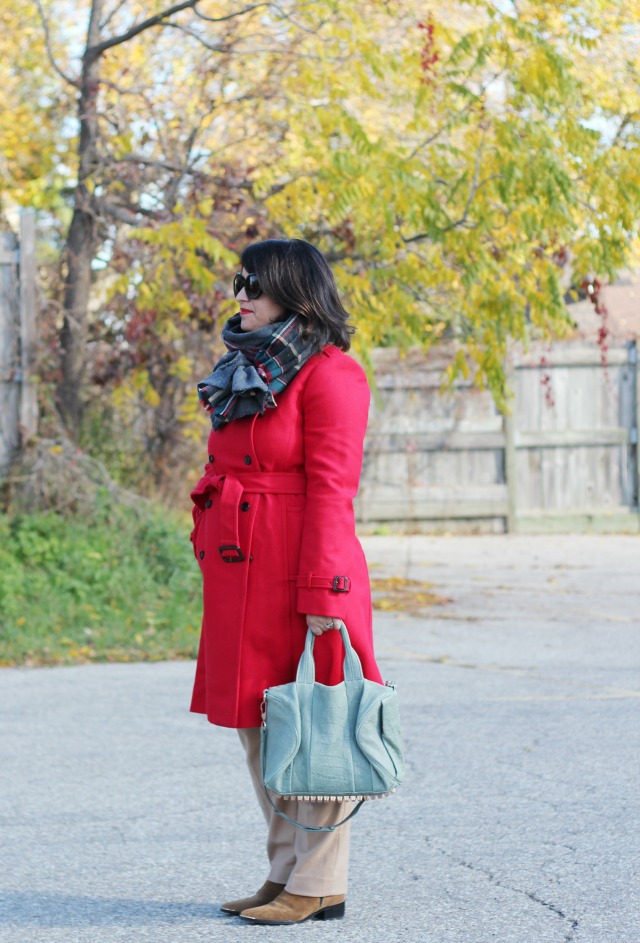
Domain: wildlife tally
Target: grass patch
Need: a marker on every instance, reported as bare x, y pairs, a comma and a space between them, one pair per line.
119, 585
122, 585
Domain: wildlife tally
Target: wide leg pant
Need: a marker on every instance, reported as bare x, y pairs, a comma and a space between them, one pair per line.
314, 864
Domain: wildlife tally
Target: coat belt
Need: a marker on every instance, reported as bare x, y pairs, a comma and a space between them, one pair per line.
231, 489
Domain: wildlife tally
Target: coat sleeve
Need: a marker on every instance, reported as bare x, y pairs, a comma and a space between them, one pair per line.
335, 405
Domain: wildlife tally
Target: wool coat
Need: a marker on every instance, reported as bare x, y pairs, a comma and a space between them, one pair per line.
274, 535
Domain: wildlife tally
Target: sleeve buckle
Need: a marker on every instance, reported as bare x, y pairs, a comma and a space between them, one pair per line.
226, 548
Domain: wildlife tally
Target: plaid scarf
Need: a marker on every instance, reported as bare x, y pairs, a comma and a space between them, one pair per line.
259, 364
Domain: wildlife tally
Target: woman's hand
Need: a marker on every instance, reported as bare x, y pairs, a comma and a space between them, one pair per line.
320, 624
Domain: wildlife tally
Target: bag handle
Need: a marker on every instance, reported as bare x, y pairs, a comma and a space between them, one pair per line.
311, 828
306, 673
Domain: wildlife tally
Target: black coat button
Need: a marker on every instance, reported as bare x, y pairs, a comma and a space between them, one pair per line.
202, 554
211, 458
247, 459
245, 506
208, 503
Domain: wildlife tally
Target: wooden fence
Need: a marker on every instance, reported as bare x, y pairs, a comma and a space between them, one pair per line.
18, 401
566, 459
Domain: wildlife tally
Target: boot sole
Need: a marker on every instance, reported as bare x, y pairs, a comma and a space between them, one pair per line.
335, 912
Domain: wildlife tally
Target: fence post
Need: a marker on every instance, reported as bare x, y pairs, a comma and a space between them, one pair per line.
28, 392
635, 430
510, 455
9, 364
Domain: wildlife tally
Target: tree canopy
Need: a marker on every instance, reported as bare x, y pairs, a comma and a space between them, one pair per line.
451, 161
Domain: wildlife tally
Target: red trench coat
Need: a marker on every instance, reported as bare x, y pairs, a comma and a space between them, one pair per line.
277, 493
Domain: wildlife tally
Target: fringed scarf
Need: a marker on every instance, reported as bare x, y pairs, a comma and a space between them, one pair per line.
259, 364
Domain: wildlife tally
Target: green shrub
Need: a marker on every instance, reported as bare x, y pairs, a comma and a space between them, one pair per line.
122, 585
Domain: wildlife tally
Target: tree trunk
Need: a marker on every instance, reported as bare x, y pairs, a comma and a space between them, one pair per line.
81, 239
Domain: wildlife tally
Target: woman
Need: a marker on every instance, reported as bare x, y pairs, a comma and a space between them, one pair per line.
274, 535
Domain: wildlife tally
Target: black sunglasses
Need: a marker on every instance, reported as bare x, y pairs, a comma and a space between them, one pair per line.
250, 284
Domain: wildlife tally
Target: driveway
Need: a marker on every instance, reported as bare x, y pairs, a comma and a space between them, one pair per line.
518, 821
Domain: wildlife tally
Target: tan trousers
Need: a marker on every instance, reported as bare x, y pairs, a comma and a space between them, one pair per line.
314, 864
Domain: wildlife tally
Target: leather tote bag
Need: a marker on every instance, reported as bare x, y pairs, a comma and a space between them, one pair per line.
325, 742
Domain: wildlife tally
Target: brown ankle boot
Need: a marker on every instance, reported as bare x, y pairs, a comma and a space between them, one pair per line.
268, 892
294, 908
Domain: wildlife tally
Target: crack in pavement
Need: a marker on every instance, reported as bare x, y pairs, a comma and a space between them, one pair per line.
531, 895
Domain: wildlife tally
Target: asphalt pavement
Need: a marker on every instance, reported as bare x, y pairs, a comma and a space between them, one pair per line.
125, 818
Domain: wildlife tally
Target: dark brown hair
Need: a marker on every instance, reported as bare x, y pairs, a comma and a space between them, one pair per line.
296, 275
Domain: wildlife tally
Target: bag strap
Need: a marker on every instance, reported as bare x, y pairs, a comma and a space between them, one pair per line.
306, 673
311, 828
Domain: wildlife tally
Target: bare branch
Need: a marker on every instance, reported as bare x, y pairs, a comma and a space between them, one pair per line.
588, 206
475, 186
445, 127
115, 10
106, 83
94, 51
257, 50
431, 297
47, 39
303, 29
458, 224
128, 215
458, 114
230, 16
626, 121
141, 161
463, 222
227, 49
172, 190
283, 184
219, 47
122, 215
103, 116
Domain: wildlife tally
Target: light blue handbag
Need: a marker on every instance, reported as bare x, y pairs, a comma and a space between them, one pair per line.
325, 742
